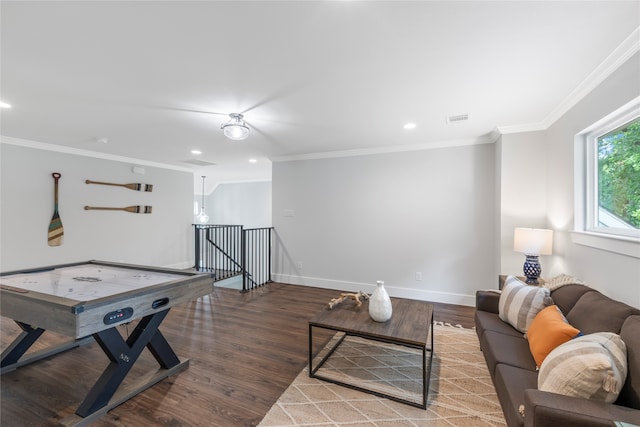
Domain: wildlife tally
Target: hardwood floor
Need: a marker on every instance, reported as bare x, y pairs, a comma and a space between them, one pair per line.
244, 350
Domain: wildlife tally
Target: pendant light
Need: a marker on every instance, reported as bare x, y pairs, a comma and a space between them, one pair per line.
203, 218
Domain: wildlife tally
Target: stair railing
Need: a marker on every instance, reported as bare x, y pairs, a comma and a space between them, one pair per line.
256, 257
231, 250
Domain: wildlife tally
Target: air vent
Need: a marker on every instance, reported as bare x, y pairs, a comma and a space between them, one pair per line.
198, 162
457, 118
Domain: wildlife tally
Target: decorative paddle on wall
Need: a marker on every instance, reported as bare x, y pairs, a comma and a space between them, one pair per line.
133, 209
56, 231
136, 187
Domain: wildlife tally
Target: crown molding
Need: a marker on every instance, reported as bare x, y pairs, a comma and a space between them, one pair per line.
87, 153
485, 139
238, 181
629, 47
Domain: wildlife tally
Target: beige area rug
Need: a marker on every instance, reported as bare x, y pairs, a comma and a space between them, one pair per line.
460, 393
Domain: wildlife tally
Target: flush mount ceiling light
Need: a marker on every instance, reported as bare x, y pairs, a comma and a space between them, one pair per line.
235, 128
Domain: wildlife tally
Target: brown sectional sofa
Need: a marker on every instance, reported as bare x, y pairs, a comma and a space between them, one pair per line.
513, 368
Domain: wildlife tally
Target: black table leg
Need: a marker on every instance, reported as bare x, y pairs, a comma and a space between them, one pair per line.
123, 355
21, 344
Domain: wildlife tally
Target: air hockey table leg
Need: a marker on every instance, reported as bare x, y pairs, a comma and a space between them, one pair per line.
21, 344
123, 355
15, 355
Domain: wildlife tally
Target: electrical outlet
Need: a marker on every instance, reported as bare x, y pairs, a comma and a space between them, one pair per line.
418, 276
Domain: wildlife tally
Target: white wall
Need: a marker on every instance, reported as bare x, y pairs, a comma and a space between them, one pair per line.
613, 274
247, 203
523, 194
344, 223
162, 238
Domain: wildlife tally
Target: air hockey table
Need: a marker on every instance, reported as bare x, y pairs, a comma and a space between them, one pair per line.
87, 301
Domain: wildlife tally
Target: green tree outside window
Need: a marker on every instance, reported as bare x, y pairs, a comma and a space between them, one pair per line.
619, 173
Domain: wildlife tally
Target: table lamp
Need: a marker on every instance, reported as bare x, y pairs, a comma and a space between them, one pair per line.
532, 242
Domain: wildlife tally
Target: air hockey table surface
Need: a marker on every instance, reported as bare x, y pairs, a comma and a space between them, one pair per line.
83, 298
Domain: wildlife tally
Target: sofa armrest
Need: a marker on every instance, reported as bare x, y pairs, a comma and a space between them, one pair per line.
487, 301
543, 409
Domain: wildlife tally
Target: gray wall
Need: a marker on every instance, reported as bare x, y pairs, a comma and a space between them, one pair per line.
523, 194
447, 213
246, 203
163, 238
344, 223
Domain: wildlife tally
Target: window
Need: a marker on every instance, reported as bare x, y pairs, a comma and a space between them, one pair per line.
608, 178
618, 179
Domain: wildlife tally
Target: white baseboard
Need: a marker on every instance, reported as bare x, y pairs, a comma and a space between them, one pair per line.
394, 291
181, 265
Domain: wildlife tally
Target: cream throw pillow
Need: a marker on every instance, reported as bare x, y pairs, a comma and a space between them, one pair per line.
519, 303
593, 366
560, 281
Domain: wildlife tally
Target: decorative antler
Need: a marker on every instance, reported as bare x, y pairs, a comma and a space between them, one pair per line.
345, 295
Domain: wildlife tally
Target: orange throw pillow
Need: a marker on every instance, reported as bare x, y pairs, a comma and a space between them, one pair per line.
548, 330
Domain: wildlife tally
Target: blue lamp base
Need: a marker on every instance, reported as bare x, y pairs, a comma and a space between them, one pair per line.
532, 269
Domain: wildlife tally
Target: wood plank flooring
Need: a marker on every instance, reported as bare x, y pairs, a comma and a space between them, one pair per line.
244, 350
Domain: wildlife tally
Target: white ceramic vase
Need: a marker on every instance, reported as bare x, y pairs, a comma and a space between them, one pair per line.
380, 308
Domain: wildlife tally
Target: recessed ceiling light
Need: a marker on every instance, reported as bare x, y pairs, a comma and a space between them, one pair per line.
409, 126
4, 105
196, 152
253, 161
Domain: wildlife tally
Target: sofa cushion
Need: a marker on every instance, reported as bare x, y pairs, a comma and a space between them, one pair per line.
485, 321
567, 296
594, 312
547, 331
592, 366
630, 334
519, 303
510, 383
506, 349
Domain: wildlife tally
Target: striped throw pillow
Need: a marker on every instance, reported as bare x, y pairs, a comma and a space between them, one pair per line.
593, 366
519, 303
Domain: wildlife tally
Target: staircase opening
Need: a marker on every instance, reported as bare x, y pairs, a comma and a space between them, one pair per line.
231, 250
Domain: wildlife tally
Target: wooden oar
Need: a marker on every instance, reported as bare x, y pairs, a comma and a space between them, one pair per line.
56, 231
133, 209
136, 187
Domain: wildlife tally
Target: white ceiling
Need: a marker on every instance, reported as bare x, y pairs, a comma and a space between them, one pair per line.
157, 78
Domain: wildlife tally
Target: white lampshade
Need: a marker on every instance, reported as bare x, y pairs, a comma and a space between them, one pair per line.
533, 241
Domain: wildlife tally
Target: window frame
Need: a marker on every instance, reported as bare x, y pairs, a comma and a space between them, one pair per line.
586, 231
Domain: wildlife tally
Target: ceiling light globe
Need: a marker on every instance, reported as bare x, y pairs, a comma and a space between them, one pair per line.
235, 129
236, 132
203, 218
